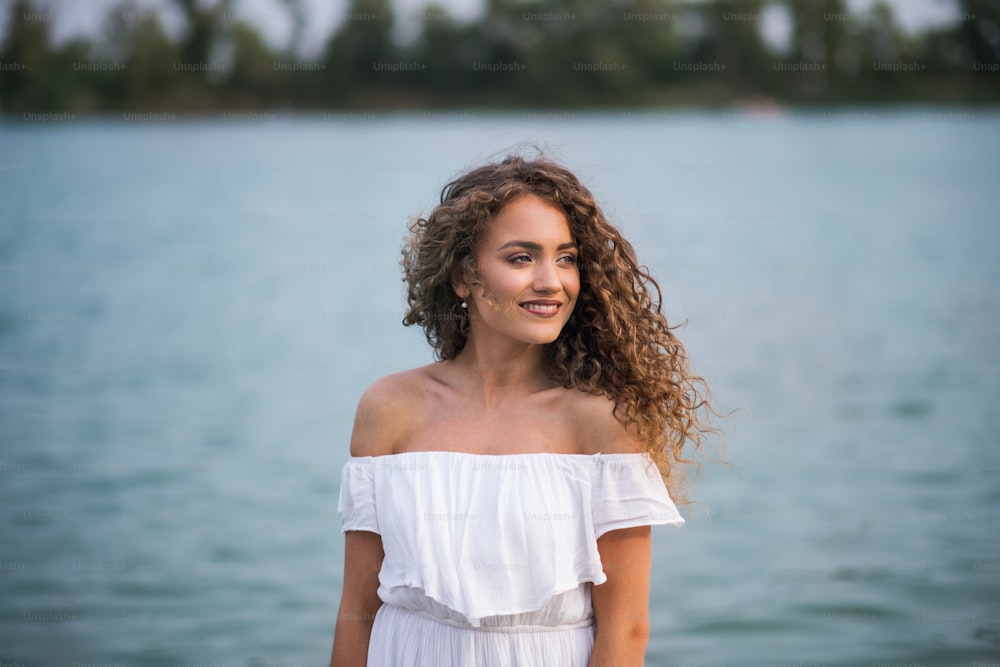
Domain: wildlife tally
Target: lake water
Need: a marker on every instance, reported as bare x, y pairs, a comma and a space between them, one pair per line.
190, 310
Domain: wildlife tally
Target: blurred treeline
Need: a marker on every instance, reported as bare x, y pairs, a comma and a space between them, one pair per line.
538, 53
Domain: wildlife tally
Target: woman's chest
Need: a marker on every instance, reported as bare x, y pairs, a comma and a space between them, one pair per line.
532, 428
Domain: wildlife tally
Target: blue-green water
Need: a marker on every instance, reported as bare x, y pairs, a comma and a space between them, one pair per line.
190, 310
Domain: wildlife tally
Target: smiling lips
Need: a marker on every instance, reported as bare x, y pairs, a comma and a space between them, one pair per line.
542, 307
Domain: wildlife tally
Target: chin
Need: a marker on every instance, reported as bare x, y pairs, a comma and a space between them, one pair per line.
543, 338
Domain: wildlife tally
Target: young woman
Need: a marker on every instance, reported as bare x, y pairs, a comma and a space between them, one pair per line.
497, 503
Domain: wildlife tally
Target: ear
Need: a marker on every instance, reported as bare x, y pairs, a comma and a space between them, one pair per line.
460, 282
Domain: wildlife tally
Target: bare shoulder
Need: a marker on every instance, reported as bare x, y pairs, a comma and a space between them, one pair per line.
386, 413
598, 431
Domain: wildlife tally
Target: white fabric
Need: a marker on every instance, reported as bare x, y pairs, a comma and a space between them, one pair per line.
489, 559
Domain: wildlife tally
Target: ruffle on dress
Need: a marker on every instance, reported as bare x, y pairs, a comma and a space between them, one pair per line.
480, 536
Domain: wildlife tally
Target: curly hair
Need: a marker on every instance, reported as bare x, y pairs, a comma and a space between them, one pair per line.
618, 342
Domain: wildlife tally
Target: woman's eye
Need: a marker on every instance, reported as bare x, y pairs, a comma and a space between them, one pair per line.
524, 259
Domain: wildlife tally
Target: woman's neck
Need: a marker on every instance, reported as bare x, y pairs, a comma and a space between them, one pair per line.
498, 373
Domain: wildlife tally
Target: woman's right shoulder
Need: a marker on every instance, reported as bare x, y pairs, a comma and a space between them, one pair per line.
387, 412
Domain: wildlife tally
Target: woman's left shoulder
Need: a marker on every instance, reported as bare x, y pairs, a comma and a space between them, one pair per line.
597, 429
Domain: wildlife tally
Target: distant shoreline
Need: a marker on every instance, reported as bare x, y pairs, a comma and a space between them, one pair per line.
459, 114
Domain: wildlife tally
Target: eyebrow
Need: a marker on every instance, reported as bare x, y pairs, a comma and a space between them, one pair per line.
531, 245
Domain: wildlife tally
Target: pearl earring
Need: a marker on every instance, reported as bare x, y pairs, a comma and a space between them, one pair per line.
464, 304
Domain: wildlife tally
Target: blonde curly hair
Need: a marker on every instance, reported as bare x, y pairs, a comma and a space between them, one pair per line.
617, 343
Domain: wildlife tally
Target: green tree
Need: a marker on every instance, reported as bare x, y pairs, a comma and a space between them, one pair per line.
150, 78
362, 45
978, 30
252, 79
27, 55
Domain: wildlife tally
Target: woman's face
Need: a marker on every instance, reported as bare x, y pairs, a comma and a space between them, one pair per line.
528, 272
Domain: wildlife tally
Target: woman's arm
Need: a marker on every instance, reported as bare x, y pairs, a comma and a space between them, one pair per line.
621, 604
377, 427
359, 602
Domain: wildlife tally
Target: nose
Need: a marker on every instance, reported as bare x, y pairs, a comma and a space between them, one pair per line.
546, 278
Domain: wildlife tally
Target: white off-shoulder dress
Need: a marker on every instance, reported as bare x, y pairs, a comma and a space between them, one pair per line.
489, 559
